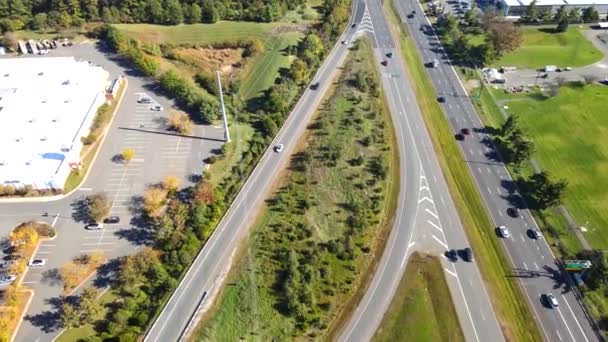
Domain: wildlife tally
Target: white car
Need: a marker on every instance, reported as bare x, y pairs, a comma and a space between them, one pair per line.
278, 148
7, 279
94, 226
504, 232
345, 41
551, 300
37, 263
157, 108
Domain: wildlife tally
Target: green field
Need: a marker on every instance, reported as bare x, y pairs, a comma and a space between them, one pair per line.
422, 308
314, 242
265, 69
509, 303
222, 31
541, 47
571, 135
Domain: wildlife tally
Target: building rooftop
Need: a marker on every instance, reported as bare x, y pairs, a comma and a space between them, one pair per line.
46, 106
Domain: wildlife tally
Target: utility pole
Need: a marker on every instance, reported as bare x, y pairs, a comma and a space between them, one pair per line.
226, 133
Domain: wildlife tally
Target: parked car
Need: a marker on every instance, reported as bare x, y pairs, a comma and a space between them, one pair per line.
550, 300
144, 99
94, 226
7, 279
157, 108
504, 232
278, 148
112, 220
37, 263
513, 212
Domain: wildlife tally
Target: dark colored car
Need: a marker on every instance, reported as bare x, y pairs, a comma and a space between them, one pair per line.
467, 254
513, 212
465, 131
112, 219
384, 62
389, 55
441, 99
411, 15
353, 25
459, 136
314, 86
534, 234
452, 255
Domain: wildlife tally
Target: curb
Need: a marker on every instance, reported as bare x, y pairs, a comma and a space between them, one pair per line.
60, 197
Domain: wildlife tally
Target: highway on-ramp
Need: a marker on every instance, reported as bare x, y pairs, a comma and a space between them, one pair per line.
206, 273
532, 260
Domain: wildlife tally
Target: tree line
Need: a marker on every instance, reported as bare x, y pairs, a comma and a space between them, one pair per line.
562, 17
55, 14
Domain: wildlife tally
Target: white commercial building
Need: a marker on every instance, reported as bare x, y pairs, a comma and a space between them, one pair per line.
517, 8
46, 106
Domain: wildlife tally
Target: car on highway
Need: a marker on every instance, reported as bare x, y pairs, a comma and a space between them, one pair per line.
452, 255
410, 15
345, 41
314, 86
467, 254
112, 220
513, 212
441, 99
7, 279
37, 263
278, 148
389, 54
157, 108
384, 62
94, 226
534, 234
504, 232
459, 136
353, 25
465, 131
550, 300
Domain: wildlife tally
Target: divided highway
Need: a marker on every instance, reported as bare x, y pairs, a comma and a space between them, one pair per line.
205, 276
426, 218
532, 260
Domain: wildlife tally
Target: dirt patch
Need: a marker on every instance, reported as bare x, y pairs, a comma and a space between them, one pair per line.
471, 84
228, 61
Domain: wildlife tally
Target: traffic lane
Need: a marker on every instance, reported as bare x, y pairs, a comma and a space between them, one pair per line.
202, 275
478, 308
455, 92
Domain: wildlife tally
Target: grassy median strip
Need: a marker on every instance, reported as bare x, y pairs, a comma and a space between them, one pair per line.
313, 245
420, 310
509, 302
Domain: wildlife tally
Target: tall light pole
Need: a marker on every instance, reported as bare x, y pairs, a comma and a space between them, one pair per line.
226, 133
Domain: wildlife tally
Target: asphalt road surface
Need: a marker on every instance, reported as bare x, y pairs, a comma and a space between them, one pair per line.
426, 217
532, 260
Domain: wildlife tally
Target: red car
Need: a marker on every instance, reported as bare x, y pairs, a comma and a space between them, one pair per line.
385, 63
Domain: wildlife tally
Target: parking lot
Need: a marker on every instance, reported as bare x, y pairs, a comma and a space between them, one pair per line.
158, 153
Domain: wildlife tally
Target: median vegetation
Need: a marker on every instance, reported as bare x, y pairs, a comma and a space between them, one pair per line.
422, 309
509, 302
314, 243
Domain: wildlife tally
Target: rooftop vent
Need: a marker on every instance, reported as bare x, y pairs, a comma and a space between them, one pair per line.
6, 75
66, 82
40, 73
43, 139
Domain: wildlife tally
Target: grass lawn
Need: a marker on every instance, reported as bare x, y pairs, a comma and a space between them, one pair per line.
313, 244
541, 47
570, 132
240, 135
263, 71
421, 309
222, 31
509, 303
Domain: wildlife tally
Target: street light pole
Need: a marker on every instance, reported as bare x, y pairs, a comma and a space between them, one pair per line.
226, 133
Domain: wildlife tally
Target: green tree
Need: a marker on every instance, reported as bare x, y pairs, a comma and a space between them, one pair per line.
299, 71
510, 125
522, 149
531, 13
39, 22
196, 14
546, 192
173, 12
154, 11
562, 25
69, 316
590, 15
560, 14
209, 13
311, 49
504, 36
88, 305
574, 15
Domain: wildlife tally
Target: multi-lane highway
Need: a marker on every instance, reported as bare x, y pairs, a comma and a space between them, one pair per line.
532, 260
426, 217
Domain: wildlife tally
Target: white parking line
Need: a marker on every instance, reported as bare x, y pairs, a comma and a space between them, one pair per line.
95, 250
97, 237
30, 282
98, 243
